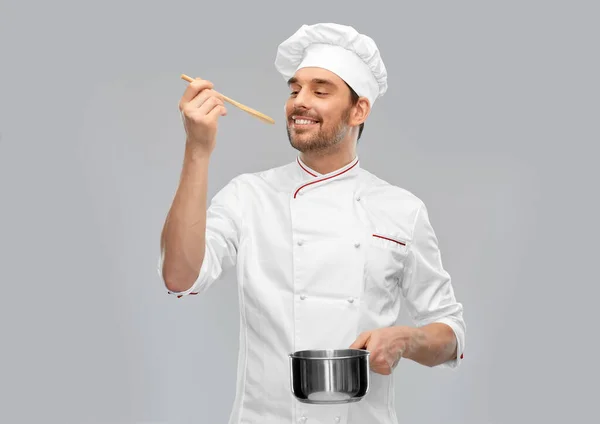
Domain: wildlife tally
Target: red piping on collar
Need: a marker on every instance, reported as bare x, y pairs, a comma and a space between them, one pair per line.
324, 179
298, 160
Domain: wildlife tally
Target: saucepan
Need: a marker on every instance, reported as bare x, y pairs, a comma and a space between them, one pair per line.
329, 376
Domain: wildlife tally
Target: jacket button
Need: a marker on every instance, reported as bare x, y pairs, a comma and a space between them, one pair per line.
337, 419
300, 242
357, 244
302, 419
358, 198
302, 297
351, 300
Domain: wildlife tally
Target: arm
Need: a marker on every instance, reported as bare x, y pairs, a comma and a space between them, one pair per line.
439, 336
431, 345
183, 237
184, 241
222, 227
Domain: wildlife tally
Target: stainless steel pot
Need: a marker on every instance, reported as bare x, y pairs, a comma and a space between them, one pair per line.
329, 376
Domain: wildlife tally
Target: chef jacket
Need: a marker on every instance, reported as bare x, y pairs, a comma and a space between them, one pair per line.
321, 258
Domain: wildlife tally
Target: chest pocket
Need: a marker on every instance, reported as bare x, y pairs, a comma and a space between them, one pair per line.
385, 260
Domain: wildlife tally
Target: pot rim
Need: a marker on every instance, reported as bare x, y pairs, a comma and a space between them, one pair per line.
295, 355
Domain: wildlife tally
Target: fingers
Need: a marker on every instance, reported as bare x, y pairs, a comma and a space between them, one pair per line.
204, 120
200, 101
203, 96
206, 106
193, 89
362, 341
380, 364
217, 111
205, 102
384, 361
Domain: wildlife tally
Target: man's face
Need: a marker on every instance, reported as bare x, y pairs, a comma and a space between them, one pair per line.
317, 110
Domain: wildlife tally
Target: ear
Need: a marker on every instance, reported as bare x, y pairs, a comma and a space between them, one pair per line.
360, 111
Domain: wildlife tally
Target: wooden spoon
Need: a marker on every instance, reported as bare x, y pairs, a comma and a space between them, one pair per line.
251, 111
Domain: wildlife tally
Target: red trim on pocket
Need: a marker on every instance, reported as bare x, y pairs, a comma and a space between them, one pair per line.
461, 355
386, 238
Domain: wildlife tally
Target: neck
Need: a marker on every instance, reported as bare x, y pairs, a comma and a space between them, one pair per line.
326, 162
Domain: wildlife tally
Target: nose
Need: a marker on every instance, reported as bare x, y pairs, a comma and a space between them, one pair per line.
302, 99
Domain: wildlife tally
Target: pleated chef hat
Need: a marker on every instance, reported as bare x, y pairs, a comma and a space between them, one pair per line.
352, 56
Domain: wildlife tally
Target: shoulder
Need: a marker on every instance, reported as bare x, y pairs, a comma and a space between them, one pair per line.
393, 210
389, 195
266, 174
271, 178
244, 188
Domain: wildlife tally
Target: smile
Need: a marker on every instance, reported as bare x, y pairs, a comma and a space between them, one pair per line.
302, 122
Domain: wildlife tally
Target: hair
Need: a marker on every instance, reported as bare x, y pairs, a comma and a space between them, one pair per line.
354, 100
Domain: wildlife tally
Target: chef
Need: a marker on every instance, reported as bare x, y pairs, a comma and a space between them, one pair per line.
324, 250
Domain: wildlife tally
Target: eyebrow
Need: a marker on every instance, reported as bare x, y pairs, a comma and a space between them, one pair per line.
318, 81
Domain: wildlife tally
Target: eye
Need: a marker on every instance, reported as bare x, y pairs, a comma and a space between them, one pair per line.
320, 93
293, 93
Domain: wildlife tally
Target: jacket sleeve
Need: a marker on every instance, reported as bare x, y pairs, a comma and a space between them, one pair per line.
427, 286
223, 227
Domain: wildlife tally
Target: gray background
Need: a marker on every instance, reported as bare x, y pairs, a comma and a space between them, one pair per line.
491, 118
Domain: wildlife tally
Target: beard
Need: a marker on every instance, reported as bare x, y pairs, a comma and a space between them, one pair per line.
321, 140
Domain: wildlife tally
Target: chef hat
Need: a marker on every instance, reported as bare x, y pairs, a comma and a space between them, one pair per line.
352, 56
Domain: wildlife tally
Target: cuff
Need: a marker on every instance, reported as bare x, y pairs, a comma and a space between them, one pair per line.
459, 332
191, 291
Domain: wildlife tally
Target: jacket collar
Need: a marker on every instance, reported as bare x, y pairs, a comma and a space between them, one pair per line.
309, 178
309, 174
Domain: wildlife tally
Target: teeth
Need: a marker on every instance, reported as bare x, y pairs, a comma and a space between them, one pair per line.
303, 121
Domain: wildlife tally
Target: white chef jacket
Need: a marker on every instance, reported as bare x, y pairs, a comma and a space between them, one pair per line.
319, 259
